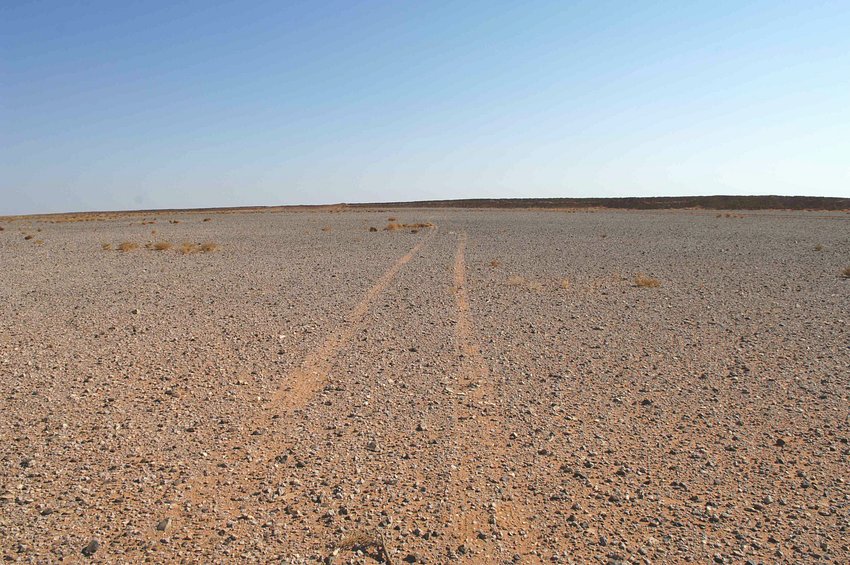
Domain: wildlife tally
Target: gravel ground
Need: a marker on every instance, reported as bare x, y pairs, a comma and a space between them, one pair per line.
495, 389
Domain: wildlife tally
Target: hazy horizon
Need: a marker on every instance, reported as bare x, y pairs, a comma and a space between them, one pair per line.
107, 106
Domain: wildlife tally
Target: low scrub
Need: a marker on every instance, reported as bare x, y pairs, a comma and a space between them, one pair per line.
127, 246
162, 246
518, 281
846, 273
642, 281
393, 226
188, 248
366, 542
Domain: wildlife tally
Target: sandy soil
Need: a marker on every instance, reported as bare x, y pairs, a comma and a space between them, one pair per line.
496, 389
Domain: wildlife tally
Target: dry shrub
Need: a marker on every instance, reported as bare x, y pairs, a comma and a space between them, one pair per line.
162, 246
363, 541
27, 237
515, 280
719, 216
818, 247
646, 282
391, 219
207, 219
127, 246
565, 284
187, 248
495, 263
326, 228
2, 228
393, 226
106, 246
846, 273
39, 242
174, 221
373, 229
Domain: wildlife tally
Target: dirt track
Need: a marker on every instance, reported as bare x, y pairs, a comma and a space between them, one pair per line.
494, 389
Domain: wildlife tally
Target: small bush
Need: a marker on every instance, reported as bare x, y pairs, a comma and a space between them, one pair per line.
818, 247
646, 282
161, 246
495, 263
391, 219
846, 273
127, 246
565, 284
27, 237
364, 541
39, 242
106, 246
516, 280
207, 219
373, 229
393, 226
187, 248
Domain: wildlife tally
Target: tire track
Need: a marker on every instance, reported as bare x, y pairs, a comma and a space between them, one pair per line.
205, 488
479, 523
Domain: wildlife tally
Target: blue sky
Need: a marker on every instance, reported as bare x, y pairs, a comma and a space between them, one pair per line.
117, 105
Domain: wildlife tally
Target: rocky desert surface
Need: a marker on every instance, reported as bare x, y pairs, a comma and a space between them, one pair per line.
505, 386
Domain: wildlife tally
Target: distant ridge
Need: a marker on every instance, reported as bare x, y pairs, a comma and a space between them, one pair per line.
814, 203
638, 203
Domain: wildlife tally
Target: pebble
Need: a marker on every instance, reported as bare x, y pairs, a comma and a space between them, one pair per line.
91, 548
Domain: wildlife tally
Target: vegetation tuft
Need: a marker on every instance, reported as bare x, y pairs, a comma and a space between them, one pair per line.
646, 282
366, 541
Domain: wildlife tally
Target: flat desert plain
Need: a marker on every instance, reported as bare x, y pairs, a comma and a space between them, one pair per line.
506, 386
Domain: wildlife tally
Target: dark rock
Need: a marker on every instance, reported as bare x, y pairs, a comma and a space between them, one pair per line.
91, 548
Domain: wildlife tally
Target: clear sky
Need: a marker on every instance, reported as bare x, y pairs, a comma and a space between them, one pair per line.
119, 104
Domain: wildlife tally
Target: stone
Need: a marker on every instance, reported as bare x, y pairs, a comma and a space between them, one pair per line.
91, 548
